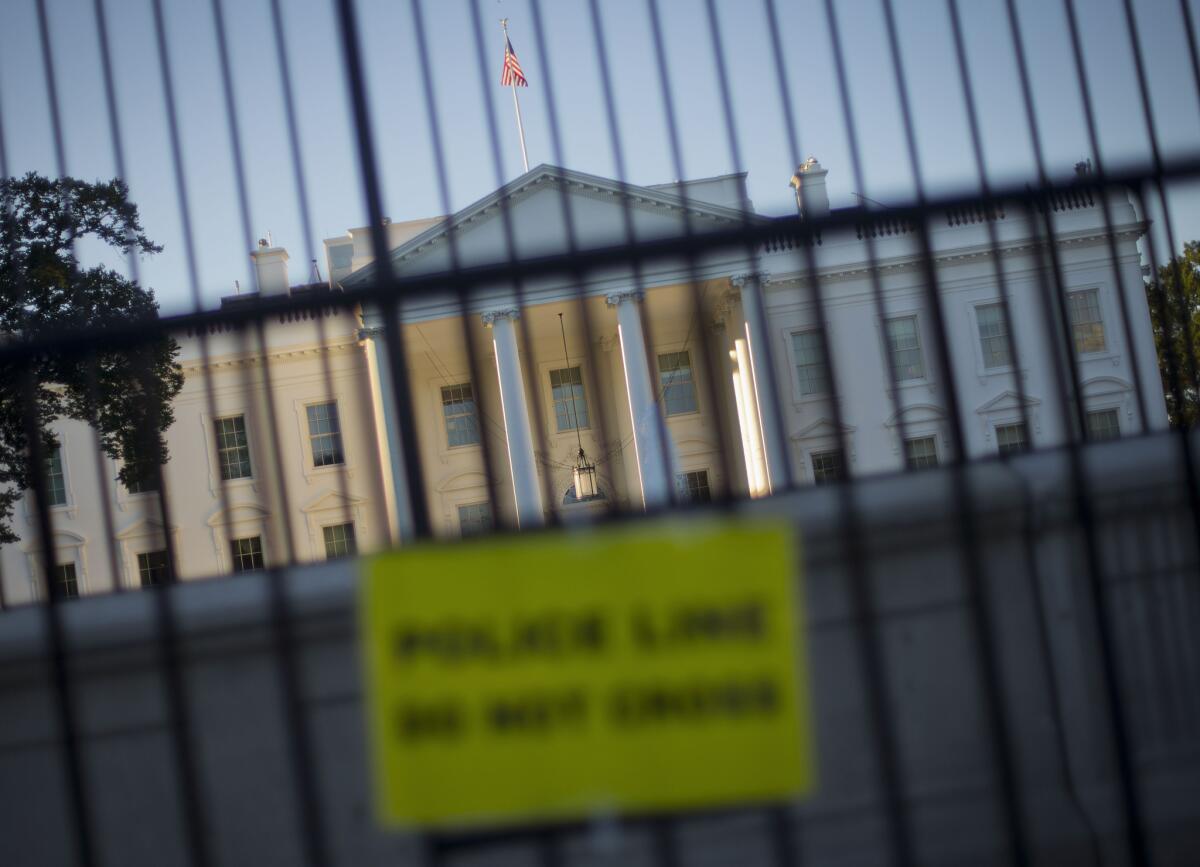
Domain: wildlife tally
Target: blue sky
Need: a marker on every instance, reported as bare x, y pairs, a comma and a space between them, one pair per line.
462, 92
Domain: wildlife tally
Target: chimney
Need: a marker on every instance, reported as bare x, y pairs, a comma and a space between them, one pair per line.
271, 265
811, 196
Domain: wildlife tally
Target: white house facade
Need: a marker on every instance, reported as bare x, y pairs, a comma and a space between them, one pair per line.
660, 374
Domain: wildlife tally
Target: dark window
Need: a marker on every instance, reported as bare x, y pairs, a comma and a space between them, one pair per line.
570, 408
826, 467
676, 383
811, 375
458, 408
993, 335
920, 452
56, 479
152, 568
325, 434
904, 348
247, 553
233, 449
1087, 325
1011, 438
339, 541
65, 578
1103, 424
693, 487
475, 518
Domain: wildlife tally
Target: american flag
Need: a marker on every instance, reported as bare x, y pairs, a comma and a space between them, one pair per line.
512, 74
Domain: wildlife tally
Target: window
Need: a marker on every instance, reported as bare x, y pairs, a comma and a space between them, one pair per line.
152, 568
325, 434
341, 257
1087, 327
808, 347
826, 466
1103, 424
1011, 438
675, 382
247, 553
233, 449
141, 475
56, 479
65, 578
920, 452
570, 408
904, 349
693, 487
339, 541
458, 408
475, 518
993, 335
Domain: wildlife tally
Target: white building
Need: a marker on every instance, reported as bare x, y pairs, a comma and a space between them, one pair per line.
663, 380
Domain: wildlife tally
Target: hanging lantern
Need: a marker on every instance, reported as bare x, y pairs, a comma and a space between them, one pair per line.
584, 473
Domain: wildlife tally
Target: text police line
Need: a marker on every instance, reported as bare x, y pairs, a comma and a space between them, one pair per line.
564, 633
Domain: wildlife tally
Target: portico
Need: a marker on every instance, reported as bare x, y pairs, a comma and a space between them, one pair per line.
532, 406
636, 385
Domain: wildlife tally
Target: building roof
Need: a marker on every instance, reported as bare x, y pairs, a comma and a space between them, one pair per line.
542, 177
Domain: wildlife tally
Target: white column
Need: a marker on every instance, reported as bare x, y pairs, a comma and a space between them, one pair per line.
649, 435
517, 430
387, 432
743, 427
756, 459
758, 337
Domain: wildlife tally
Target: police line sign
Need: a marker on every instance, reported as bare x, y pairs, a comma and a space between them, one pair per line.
556, 676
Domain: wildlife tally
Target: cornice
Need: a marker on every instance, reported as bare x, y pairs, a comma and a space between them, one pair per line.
981, 252
635, 197
243, 361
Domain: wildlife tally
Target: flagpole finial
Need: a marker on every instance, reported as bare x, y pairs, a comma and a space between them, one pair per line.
504, 24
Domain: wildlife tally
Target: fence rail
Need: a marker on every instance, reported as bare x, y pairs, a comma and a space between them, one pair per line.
978, 407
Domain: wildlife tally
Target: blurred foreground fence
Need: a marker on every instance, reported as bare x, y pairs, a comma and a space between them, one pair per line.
977, 410
1036, 585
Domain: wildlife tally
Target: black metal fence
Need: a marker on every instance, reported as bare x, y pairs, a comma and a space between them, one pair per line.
1136, 573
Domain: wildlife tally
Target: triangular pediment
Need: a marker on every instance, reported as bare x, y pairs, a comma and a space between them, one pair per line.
236, 513
915, 414
529, 218
331, 500
1006, 400
822, 427
62, 539
142, 527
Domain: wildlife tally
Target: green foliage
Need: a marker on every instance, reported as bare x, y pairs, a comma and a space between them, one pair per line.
125, 395
1174, 306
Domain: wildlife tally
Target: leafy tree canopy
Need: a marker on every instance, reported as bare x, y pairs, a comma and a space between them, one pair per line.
1178, 291
125, 395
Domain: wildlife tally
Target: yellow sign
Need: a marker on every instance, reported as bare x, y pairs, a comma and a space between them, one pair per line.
552, 676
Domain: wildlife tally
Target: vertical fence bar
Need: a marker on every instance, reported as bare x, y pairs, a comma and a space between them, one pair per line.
385, 274
1035, 579
995, 703
640, 287
510, 247
298, 732
1060, 344
989, 207
65, 706
474, 367
588, 328
710, 367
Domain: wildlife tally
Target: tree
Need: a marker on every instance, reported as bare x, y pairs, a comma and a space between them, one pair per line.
1178, 291
124, 394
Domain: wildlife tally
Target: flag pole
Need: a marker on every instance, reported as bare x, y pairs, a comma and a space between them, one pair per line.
516, 103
